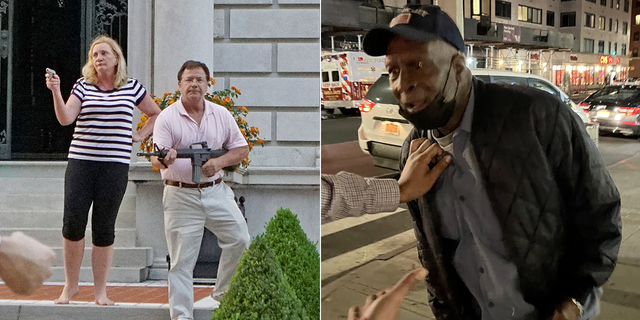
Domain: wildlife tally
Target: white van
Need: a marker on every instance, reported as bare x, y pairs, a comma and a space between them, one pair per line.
383, 130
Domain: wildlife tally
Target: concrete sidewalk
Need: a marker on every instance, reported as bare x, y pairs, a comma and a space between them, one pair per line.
620, 301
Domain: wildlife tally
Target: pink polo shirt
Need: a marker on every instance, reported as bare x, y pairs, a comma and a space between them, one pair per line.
174, 128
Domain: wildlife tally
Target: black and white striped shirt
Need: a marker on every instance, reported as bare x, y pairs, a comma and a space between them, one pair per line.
104, 125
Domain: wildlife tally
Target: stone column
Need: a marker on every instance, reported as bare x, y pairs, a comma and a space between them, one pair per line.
140, 47
183, 30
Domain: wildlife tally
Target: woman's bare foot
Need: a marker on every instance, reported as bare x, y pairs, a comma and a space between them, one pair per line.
66, 295
102, 300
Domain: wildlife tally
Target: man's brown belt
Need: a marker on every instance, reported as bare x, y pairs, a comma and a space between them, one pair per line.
192, 185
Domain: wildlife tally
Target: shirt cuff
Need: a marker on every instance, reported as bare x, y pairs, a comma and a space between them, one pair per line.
387, 194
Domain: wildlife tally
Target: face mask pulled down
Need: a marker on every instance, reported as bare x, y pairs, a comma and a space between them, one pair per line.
436, 114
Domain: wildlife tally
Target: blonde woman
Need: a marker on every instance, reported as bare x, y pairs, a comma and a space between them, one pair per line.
101, 103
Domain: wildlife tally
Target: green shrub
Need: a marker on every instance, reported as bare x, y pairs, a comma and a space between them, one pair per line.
259, 290
298, 257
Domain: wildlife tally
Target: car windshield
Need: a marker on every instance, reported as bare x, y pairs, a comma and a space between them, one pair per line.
380, 91
616, 93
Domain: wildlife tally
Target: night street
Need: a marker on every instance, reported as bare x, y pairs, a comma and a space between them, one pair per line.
361, 256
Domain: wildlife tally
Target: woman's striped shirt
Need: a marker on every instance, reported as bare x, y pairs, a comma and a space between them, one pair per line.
104, 125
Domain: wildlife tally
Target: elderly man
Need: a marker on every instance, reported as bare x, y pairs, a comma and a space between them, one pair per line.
189, 207
525, 222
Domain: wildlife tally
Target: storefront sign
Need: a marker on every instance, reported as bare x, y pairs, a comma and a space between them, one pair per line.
608, 60
573, 57
534, 56
511, 33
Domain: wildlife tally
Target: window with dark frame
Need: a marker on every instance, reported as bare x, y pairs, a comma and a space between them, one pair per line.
603, 3
480, 9
610, 24
615, 27
634, 52
636, 36
594, 1
503, 9
529, 14
623, 50
602, 22
601, 46
588, 45
567, 19
625, 28
551, 17
626, 5
589, 20
618, 4
615, 49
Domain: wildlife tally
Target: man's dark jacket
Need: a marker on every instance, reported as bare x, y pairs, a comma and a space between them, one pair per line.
556, 203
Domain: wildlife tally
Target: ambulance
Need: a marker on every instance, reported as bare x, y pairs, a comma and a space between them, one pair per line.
346, 77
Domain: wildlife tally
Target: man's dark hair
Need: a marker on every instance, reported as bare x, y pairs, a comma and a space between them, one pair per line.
191, 64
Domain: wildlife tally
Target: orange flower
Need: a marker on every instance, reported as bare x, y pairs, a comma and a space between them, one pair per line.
166, 94
253, 129
260, 141
233, 88
243, 109
170, 100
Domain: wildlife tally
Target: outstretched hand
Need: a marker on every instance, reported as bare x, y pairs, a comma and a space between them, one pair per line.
385, 305
417, 177
25, 263
53, 83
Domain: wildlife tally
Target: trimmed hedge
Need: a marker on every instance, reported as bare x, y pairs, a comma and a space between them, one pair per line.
298, 257
259, 290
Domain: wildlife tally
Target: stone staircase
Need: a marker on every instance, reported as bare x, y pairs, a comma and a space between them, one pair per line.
31, 201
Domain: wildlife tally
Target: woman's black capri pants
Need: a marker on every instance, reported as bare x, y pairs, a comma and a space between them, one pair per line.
100, 183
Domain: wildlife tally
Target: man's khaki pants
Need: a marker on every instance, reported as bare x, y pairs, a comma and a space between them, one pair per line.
186, 212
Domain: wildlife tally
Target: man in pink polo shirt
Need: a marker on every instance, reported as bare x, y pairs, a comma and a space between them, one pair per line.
189, 206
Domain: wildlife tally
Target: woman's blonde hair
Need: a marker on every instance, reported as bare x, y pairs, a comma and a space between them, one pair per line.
89, 71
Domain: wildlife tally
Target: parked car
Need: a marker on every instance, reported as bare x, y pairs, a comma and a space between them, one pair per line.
616, 108
383, 130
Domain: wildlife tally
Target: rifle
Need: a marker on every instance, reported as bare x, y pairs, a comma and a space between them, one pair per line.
198, 156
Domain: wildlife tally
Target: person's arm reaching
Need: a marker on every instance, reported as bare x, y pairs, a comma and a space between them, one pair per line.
349, 195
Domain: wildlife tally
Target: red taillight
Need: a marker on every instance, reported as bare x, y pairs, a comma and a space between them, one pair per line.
629, 111
585, 107
366, 105
628, 123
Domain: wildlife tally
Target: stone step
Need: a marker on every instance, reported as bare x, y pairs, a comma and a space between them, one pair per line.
48, 202
40, 186
122, 257
32, 169
31, 185
25, 220
117, 274
125, 237
28, 310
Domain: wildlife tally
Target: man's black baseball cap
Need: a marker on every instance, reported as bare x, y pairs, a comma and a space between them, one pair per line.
422, 23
